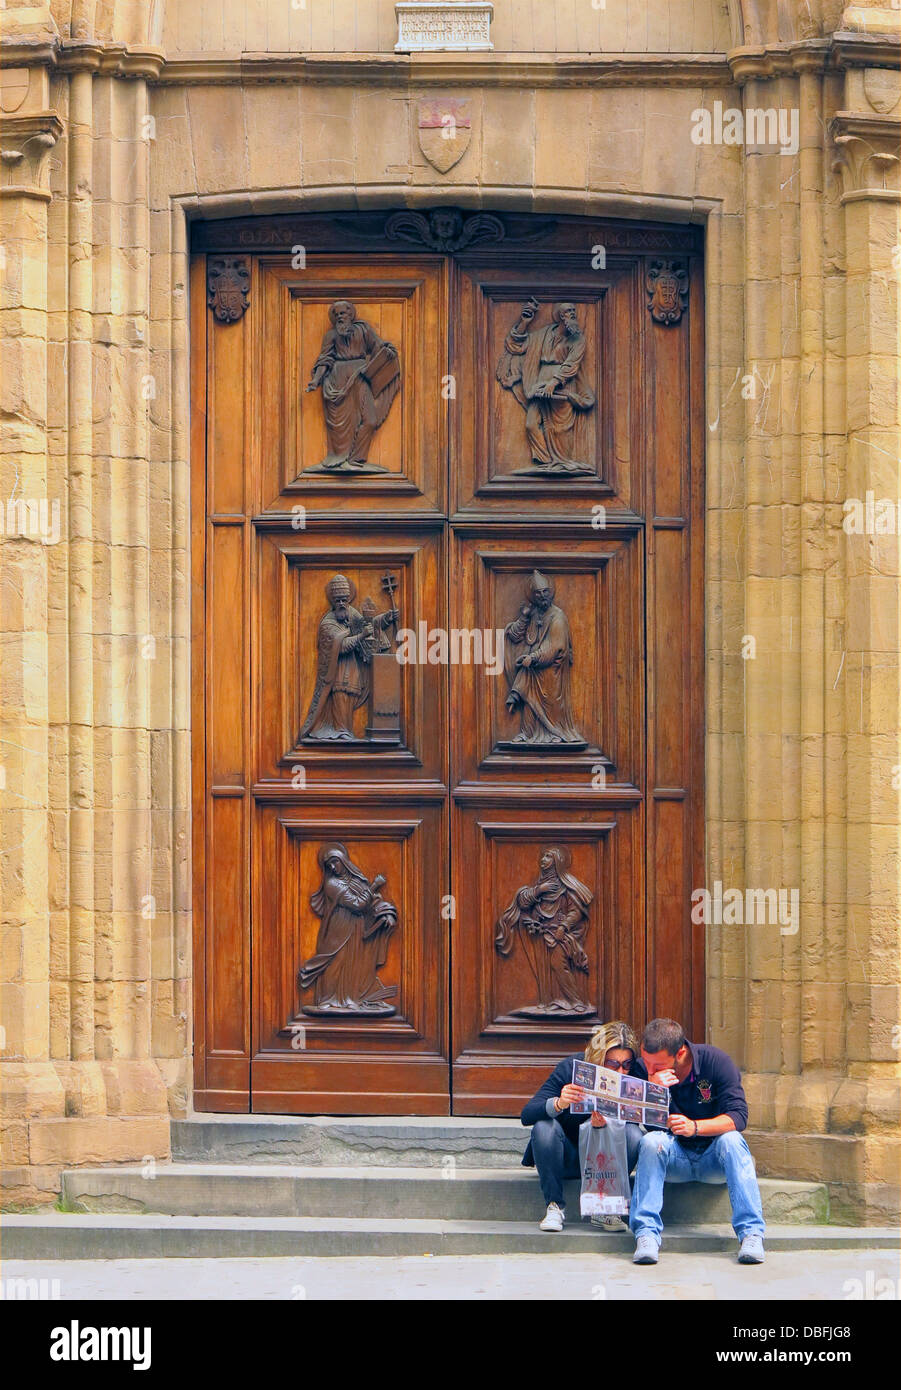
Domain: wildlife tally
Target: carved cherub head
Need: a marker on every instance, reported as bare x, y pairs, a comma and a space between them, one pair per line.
446, 224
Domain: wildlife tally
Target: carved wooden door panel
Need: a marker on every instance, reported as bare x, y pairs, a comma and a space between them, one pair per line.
447, 645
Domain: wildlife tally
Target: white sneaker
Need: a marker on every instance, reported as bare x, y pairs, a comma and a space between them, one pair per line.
609, 1223
751, 1252
645, 1251
553, 1220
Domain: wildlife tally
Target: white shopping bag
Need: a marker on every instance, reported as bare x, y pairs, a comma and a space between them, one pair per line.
605, 1169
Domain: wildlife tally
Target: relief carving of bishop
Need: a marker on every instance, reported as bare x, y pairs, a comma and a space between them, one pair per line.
349, 642
544, 369
359, 375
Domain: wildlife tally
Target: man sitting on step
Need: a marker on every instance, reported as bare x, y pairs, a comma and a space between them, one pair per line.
554, 1145
708, 1111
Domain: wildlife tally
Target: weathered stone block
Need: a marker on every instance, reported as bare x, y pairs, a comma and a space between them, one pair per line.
99, 1140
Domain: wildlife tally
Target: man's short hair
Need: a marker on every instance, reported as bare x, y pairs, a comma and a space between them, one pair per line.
663, 1035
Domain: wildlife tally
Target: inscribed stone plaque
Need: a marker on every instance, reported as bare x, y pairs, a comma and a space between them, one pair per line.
429, 27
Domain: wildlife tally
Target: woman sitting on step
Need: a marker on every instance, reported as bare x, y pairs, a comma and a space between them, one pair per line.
553, 1147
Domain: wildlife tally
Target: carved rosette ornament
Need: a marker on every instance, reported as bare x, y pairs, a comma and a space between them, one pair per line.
667, 286
550, 917
355, 923
228, 287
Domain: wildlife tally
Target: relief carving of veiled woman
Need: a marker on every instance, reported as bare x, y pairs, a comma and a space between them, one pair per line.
551, 919
352, 945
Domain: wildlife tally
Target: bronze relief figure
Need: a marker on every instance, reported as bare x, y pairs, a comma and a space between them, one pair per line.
350, 645
551, 918
538, 658
352, 944
544, 369
359, 375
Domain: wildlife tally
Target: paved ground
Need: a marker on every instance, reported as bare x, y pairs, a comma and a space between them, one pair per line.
827, 1275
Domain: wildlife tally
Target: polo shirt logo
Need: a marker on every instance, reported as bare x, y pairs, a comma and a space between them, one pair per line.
705, 1091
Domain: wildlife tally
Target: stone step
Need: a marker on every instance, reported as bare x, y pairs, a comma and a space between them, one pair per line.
209, 1189
407, 1141
64, 1236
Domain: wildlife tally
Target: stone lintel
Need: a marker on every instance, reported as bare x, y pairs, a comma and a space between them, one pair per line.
844, 49
443, 69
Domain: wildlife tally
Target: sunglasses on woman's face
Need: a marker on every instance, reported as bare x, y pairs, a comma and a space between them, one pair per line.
616, 1066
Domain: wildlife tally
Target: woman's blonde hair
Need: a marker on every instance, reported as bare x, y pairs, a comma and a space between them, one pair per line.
607, 1036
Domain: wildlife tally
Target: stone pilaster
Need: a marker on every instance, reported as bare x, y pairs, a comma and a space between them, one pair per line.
86, 687
32, 515
866, 135
816, 1013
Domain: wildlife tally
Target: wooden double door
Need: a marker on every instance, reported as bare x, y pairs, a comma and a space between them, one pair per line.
447, 718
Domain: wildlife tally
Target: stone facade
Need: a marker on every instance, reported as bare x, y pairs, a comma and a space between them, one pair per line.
121, 121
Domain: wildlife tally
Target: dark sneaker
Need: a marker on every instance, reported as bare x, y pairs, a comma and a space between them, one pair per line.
609, 1223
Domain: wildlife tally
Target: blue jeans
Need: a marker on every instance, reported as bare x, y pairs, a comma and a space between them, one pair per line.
557, 1157
728, 1159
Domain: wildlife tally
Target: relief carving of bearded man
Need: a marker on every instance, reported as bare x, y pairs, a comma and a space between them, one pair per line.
347, 639
352, 944
551, 917
360, 376
544, 369
538, 658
